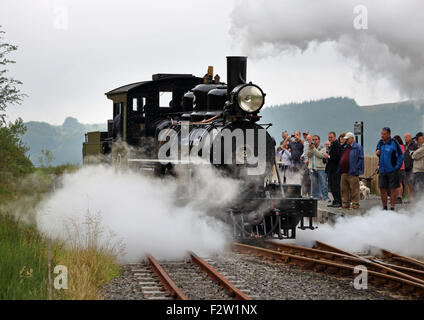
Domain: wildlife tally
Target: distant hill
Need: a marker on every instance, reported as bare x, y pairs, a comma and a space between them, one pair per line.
339, 115
65, 141
319, 117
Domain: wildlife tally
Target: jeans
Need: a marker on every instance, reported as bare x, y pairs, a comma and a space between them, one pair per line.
319, 185
284, 173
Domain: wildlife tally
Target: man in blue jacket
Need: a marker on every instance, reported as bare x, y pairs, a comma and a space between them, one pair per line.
351, 167
390, 160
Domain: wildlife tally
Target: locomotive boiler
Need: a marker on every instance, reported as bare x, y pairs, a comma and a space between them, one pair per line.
176, 121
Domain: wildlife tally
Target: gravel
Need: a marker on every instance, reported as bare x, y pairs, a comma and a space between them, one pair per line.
125, 287
258, 278
194, 283
271, 280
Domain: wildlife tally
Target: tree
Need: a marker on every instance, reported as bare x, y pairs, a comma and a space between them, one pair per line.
47, 158
13, 160
9, 91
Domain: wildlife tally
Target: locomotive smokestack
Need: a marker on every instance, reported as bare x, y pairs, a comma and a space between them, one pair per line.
236, 72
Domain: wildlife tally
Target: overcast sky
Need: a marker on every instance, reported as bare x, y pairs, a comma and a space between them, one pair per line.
72, 52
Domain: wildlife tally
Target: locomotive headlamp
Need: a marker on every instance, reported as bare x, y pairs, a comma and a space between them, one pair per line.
250, 97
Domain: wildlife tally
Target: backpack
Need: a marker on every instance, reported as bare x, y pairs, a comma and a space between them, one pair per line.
409, 162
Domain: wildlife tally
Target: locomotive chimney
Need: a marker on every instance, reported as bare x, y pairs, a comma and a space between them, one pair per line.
236, 72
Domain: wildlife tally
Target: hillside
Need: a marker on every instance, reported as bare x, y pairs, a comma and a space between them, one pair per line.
339, 114
319, 117
65, 141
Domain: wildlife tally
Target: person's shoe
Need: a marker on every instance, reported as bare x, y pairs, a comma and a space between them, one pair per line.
345, 207
355, 207
337, 205
399, 200
392, 209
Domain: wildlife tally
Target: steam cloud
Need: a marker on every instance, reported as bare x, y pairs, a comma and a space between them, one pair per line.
401, 231
141, 211
392, 47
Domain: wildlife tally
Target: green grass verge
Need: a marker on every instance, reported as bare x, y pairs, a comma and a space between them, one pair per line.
23, 266
23, 250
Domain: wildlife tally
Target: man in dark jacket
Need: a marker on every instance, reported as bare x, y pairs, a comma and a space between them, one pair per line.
296, 148
390, 160
410, 146
351, 167
332, 167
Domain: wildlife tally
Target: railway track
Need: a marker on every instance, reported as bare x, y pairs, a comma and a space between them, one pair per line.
385, 261
196, 278
324, 258
193, 278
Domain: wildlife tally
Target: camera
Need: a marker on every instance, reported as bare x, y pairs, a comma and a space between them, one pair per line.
324, 160
292, 135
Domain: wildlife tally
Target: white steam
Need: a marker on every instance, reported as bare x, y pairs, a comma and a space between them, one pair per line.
401, 232
391, 47
141, 211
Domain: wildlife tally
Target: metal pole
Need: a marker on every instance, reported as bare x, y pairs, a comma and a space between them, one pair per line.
362, 134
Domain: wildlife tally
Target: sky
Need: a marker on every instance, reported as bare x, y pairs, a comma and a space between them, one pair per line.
72, 51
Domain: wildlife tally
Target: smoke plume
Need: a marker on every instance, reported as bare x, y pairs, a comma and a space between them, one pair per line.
390, 47
401, 231
141, 211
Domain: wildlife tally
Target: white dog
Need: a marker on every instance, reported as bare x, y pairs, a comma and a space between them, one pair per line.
365, 191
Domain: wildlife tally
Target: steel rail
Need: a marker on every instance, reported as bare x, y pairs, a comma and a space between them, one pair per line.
349, 258
164, 278
378, 278
324, 246
418, 274
231, 290
406, 260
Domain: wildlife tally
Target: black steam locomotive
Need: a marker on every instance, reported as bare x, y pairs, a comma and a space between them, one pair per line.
179, 120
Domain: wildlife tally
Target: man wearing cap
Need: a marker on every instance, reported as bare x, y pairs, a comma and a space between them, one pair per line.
351, 167
418, 166
390, 160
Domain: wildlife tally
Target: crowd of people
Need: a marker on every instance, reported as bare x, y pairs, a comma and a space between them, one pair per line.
336, 165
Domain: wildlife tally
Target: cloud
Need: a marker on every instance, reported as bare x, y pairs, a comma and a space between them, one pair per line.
391, 47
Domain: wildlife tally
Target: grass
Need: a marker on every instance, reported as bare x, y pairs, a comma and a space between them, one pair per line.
90, 259
23, 266
87, 269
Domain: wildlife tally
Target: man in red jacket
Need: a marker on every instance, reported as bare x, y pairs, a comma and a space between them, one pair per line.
351, 167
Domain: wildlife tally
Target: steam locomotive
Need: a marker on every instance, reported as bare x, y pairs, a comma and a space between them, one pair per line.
180, 121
